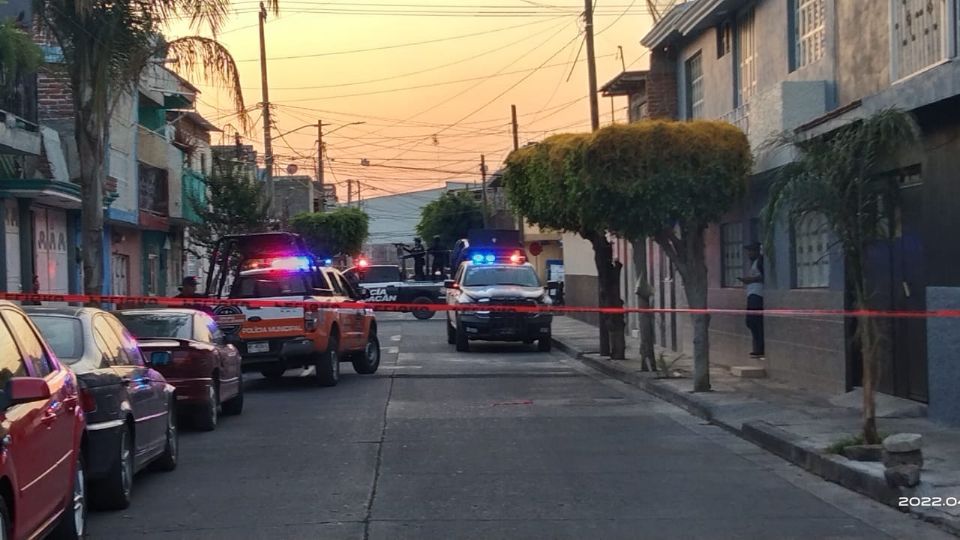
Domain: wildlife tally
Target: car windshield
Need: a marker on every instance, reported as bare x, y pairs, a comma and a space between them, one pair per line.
158, 325
63, 334
484, 276
268, 285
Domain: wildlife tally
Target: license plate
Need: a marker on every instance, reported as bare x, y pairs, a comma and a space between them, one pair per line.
258, 347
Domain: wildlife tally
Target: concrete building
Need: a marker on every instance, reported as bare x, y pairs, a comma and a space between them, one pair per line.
812, 66
293, 195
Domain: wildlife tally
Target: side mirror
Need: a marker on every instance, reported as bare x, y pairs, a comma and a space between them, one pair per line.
159, 358
392, 290
553, 285
449, 284
27, 390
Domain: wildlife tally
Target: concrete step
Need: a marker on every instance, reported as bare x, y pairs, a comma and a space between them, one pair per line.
748, 372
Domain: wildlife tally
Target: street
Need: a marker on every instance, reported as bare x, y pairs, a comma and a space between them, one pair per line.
501, 442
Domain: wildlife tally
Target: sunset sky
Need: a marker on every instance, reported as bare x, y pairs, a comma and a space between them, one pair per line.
430, 109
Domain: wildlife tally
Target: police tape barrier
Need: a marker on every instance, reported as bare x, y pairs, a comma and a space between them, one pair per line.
320, 303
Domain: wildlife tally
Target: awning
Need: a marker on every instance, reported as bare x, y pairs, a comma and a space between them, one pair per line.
49, 192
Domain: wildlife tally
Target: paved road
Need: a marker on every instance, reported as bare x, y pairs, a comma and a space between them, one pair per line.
499, 443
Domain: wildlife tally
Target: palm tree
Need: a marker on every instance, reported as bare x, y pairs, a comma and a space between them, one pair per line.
835, 175
106, 47
18, 55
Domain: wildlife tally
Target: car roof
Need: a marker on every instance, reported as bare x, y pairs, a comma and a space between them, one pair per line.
68, 311
499, 265
152, 311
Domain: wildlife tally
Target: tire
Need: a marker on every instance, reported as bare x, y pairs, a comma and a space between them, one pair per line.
6, 524
114, 491
235, 405
460, 339
423, 314
544, 344
73, 522
273, 373
368, 361
328, 363
171, 452
208, 416
451, 334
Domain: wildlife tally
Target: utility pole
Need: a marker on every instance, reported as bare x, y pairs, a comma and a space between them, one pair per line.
483, 187
349, 192
323, 193
591, 65
267, 143
516, 137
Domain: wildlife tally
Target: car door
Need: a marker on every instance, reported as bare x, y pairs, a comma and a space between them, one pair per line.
452, 294
228, 357
45, 444
147, 408
351, 318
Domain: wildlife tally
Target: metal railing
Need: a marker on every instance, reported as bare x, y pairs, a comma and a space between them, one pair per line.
739, 117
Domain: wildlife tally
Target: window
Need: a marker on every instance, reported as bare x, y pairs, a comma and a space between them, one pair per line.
811, 240
63, 334
694, 73
129, 345
920, 34
380, 274
746, 48
335, 285
109, 343
731, 245
30, 345
269, 285
808, 31
484, 276
11, 364
724, 39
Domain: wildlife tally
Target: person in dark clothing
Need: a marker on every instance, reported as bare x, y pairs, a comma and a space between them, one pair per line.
419, 259
439, 256
188, 288
754, 289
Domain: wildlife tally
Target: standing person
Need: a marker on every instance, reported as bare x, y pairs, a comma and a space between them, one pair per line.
419, 259
754, 286
188, 288
439, 256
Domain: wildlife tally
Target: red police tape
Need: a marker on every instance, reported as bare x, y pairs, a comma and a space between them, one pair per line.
155, 301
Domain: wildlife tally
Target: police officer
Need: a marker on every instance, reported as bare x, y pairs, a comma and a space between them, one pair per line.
188, 288
419, 259
439, 257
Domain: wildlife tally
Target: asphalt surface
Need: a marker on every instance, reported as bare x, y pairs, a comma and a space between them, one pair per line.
502, 442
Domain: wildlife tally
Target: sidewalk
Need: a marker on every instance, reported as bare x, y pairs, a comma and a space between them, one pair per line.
796, 425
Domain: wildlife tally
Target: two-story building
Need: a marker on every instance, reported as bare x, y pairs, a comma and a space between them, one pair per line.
811, 66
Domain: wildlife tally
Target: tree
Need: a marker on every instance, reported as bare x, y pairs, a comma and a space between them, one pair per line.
835, 176
106, 47
18, 55
547, 184
338, 232
450, 217
234, 205
669, 181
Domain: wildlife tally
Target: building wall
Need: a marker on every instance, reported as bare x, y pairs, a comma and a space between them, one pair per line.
580, 284
126, 241
394, 218
863, 54
122, 160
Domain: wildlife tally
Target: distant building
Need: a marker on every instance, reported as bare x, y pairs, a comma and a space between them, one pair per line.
293, 195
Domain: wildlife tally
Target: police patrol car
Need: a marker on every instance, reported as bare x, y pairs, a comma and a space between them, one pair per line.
386, 283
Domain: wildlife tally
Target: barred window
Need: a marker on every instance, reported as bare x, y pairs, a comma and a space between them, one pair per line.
694, 73
731, 245
809, 31
811, 240
921, 32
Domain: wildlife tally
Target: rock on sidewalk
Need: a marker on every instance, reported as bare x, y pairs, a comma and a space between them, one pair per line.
903, 442
902, 475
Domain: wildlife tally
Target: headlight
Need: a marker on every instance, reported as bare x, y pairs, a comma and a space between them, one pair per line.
465, 299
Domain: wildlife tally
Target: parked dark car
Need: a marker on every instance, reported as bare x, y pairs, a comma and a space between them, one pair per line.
203, 367
129, 406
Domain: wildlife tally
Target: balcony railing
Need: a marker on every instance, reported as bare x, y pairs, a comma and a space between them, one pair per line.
18, 136
739, 117
151, 147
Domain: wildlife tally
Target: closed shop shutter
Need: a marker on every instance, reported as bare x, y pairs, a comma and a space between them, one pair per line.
12, 252
50, 249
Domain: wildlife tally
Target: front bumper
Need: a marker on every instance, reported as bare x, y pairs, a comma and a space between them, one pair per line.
288, 352
506, 327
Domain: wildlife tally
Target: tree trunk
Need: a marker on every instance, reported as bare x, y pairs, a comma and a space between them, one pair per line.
612, 340
868, 351
91, 147
644, 294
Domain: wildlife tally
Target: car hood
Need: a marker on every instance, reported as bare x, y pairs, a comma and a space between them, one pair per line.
504, 291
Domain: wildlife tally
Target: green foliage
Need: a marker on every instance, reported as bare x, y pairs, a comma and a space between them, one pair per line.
19, 55
339, 232
234, 205
450, 217
653, 175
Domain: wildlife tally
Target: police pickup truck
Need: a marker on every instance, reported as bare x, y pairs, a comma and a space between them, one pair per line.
386, 283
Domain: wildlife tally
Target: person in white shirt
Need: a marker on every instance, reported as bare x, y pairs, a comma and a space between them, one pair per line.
754, 289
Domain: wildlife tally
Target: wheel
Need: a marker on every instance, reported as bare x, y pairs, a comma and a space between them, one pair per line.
544, 344
113, 492
235, 404
328, 363
423, 314
6, 524
460, 339
367, 362
451, 334
171, 452
273, 372
209, 414
73, 522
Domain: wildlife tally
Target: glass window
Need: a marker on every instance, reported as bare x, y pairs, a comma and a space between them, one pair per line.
110, 341
731, 244
63, 334
335, 284
127, 341
158, 325
380, 274
746, 49
694, 73
921, 32
480, 276
106, 354
11, 364
811, 240
30, 344
272, 284
345, 285
723, 39
809, 31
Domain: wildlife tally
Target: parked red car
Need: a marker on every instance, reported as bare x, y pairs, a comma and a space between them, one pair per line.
188, 348
42, 484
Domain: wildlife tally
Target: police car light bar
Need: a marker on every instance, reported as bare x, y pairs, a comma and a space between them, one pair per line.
489, 258
291, 263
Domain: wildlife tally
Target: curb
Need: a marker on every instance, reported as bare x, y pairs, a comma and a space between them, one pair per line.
777, 441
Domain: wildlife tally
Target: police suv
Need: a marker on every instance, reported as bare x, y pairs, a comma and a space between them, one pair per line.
500, 279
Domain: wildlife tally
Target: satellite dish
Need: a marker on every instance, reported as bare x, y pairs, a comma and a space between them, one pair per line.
291, 169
